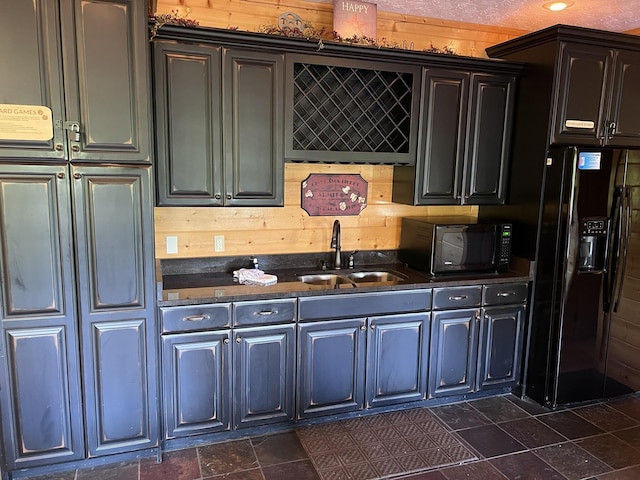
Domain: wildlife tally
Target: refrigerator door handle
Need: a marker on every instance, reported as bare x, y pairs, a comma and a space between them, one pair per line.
625, 231
611, 273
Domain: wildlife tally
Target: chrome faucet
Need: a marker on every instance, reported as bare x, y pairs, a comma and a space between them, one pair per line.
335, 243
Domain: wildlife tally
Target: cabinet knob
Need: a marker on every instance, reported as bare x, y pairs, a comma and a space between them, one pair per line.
217, 196
226, 341
58, 147
77, 176
364, 327
60, 175
228, 196
238, 340
373, 327
75, 148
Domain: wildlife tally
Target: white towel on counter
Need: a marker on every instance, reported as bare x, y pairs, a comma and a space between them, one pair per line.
253, 276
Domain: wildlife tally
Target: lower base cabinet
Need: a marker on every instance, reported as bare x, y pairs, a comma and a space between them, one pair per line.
331, 367
196, 373
501, 334
263, 375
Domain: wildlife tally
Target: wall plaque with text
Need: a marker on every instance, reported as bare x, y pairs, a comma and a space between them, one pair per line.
25, 122
334, 194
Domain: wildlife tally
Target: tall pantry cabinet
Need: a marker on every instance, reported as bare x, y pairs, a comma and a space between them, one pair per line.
77, 345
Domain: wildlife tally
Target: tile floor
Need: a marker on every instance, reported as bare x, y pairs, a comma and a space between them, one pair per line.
501, 438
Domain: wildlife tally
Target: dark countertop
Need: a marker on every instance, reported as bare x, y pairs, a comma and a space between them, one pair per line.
210, 280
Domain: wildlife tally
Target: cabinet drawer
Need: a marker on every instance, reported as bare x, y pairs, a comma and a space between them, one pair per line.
264, 312
503, 293
195, 317
364, 304
457, 297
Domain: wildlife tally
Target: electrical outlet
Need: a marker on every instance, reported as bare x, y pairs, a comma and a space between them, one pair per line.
172, 245
218, 243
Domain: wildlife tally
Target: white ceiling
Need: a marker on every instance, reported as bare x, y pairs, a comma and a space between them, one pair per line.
612, 15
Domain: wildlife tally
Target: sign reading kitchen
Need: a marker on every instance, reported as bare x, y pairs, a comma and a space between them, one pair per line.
334, 194
354, 19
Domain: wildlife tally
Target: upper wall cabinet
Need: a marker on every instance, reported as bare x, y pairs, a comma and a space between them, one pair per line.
219, 114
590, 79
464, 139
349, 111
86, 61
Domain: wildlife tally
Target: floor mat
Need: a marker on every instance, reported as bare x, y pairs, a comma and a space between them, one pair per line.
382, 446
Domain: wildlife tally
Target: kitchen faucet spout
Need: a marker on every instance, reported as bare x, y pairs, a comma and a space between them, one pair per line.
335, 244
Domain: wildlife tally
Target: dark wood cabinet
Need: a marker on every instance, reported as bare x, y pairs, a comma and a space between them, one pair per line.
464, 140
331, 362
597, 100
219, 125
397, 358
78, 265
97, 90
580, 87
113, 225
40, 398
454, 352
196, 383
263, 369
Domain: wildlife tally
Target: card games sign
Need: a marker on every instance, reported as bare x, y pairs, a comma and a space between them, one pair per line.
334, 194
352, 18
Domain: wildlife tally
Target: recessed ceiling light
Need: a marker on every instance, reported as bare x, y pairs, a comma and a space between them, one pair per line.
557, 6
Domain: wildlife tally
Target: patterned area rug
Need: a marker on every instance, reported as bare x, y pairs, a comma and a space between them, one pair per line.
382, 446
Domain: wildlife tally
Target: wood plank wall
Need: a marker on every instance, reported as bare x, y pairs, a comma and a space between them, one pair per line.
290, 229
624, 345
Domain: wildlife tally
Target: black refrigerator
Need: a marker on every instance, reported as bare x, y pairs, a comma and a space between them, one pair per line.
584, 225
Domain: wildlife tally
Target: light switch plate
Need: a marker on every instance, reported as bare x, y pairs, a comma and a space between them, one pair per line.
218, 243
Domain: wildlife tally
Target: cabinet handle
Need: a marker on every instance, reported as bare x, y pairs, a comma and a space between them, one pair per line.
238, 339
196, 318
226, 341
217, 196
373, 327
458, 297
60, 175
75, 148
505, 294
266, 313
58, 147
612, 129
77, 176
363, 327
228, 196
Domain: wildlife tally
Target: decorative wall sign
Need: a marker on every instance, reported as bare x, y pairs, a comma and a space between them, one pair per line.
334, 194
354, 19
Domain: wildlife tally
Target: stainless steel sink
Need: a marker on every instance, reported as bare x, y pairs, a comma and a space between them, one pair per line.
374, 277
325, 279
352, 279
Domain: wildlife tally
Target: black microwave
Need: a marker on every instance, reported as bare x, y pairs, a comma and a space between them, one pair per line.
447, 245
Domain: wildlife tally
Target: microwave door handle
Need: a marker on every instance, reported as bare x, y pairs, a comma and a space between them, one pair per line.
625, 231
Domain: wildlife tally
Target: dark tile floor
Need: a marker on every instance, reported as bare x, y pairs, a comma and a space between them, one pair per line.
502, 438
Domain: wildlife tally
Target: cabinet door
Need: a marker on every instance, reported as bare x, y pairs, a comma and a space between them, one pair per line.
442, 131
331, 367
454, 352
115, 265
263, 369
30, 51
500, 346
188, 124
397, 358
581, 102
625, 101
40, 399
196, 383
106, 82
253, 120
488, 138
